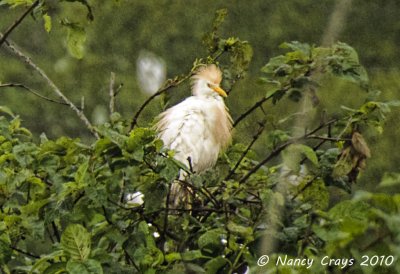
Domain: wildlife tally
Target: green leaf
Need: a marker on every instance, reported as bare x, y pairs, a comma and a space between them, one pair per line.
174, 256
5, 252
294, 153
47, 22
304, 48
76, 242
82, 173
56, 268
15, 3
94, 266
76, 38
390, 180
24, 153
215, 264
315, 193
75, 267
7, 110
243, 231
211, 240
192, 255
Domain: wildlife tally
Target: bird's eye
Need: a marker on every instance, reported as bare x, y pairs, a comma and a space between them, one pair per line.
209, 85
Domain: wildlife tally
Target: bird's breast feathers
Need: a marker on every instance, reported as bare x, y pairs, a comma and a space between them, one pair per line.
197, 128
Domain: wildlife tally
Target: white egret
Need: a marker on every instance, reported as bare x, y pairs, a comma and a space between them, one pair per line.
197, 129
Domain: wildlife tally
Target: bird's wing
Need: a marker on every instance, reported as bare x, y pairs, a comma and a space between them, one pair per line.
184, 128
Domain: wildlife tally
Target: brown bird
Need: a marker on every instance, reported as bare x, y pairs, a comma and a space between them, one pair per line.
197, 129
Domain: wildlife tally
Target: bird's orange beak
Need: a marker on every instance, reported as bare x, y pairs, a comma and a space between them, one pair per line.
220, 91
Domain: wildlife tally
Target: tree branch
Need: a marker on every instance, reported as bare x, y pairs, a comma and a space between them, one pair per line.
3, 37
112, 93
277, 150
255, 138
24, 252
332, 139
250, 110
166, 87
27, 60
16, 85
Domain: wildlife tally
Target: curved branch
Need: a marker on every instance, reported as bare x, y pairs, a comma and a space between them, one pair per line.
4, 36
16, 85
250, 110
168, 86
28, 60
255, 138
278, 150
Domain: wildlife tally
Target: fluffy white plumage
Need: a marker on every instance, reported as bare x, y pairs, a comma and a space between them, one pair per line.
197, 128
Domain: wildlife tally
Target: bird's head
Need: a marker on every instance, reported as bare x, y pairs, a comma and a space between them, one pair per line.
206, 82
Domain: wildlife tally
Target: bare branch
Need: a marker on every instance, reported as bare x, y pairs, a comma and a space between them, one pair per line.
332, 139
3, 37
255, 138
17, 85
250, 110
112, 93
166, 87
278, 150
27, 60
24, 252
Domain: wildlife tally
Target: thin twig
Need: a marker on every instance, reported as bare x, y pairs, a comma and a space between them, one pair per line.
106, 215
28, 60
3, 37
112, 93
332, 139
210, 196
55, 230
25, 252
167, 202
250, 110
307, 185
16, 85
130, 260
168, 86
202, 209
118, 89
255, 138
277, 150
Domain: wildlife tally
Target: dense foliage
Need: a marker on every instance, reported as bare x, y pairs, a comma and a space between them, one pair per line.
66, 206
